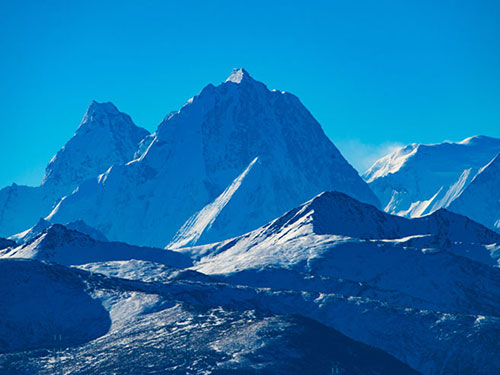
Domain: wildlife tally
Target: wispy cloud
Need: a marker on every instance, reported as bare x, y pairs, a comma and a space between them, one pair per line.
361, 155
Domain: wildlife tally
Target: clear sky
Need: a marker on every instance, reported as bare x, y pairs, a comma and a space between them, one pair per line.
374, 73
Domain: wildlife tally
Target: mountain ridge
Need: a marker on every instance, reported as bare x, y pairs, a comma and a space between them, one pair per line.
418, 179
199, 151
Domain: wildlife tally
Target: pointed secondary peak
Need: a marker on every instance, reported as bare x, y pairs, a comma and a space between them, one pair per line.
97, 111
107, 115
239, 76
106, 107
105, 137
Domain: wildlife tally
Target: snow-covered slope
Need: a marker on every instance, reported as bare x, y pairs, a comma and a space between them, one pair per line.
332, 216
481, 199
65, 246
183, 322
104, 137
419, 179
431, 342
95, 324
163, 324
231, 159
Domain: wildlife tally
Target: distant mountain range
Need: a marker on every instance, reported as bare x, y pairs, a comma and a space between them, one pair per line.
418, 179
237, 239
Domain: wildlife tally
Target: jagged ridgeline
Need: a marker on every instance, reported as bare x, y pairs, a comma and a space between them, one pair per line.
193, 159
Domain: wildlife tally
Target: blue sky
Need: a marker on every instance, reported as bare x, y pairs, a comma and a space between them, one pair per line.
374, 73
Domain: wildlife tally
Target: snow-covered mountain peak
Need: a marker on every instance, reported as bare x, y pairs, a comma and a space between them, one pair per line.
106, 116
105, 107
32, 232
79, 225
336, 213
408, 156
105, 137
334, 217
326, 199
417, 179
239, 75
339, 214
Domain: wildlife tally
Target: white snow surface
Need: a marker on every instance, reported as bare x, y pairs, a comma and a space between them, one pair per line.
236, 75
419, 179
481, 199
334, 219
192, 230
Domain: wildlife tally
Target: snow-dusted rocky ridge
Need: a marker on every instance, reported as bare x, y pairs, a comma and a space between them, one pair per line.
419, 179
104, 137
339, 239
231, 159
79, 225
59, 244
